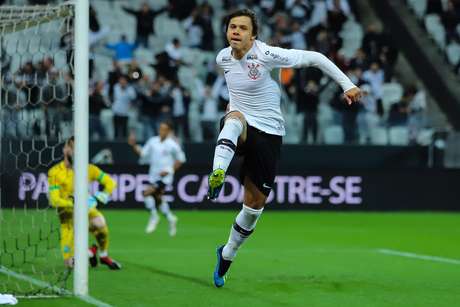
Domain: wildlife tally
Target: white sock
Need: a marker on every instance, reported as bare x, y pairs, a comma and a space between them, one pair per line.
164, 208
226, 143
103, 253
244, 224
150, 204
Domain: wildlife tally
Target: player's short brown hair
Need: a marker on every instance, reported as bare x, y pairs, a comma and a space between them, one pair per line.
244, 12
70, 140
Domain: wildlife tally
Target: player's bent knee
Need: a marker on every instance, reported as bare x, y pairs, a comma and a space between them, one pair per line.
98, 222
255, 200
237, 115
256, 204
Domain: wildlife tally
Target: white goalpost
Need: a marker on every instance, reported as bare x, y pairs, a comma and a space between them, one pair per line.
40, 107
81, 147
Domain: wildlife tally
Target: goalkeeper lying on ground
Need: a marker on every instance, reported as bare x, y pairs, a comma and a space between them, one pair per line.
60, 180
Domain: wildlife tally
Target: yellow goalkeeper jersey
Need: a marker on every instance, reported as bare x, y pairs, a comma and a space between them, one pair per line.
60, 182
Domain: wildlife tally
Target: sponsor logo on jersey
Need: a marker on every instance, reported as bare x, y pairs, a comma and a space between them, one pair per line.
226, 59
276, 56
251, 57
253, 73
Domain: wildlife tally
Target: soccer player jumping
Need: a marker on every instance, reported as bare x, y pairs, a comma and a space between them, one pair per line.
254, 126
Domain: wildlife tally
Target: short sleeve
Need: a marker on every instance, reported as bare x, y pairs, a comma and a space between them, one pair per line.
178, 153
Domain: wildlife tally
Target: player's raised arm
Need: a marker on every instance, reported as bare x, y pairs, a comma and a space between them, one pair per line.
279, 57
132, 142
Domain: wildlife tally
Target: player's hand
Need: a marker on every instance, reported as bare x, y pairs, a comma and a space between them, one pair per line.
102, 197
353, 95
164, 173
92, 202
132, 139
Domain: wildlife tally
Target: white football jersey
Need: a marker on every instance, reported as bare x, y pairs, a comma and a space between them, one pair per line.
255, 93
162, 156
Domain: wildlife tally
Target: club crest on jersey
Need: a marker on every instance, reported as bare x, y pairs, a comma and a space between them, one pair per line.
253, 73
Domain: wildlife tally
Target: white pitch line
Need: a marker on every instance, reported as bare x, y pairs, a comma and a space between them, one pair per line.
418, 256
88, 299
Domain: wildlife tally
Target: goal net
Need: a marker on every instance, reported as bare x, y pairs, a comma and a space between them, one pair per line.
36, 101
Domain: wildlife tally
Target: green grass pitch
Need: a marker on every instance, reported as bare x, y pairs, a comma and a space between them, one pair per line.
292, 259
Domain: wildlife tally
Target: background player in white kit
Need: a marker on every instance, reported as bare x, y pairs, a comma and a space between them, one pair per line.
254, 125
165, 157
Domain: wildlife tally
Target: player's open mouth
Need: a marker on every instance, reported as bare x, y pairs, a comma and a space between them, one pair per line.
235, 40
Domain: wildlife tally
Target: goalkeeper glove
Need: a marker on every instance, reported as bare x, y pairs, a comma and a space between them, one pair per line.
92, 202
102, 197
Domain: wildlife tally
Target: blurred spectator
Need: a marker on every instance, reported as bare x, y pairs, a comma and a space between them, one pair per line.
97, 102
54, 103
145, 22
399, 112
180, 108
180, 9
44, 67
207, 14
375, 77
337, 14
299, 10
93, 21
154, 107
26, 79
194, 27
297, 38
209, 114
307, 103
96, 34
13, 113
339, 5
359, 60
174, 50
372, 42
113, 77
123, 50
123, 98
269, 7
450, 18
134, 72
417, 112
369, 116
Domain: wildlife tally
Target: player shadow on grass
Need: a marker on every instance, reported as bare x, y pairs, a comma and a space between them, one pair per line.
194, 280
205, 283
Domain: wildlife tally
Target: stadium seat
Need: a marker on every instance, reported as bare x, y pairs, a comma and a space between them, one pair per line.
352, 35
453, 53
436, 29
398, 135
333, 135
379, 136
391, 93
425, 136
419, 7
